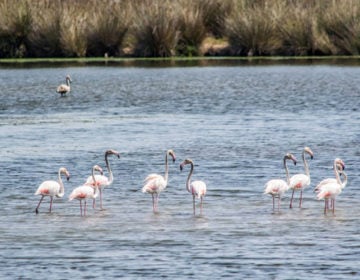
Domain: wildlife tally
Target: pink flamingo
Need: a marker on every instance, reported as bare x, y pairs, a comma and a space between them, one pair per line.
196, 188
101, 180
52, 188
331, 187
86, 191
299, 182
155, 183
277, 187
64, 88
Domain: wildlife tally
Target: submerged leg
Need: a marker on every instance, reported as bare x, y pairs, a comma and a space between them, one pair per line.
51, 201
194, 204
292, 196
300, 198
80, 207
37, 207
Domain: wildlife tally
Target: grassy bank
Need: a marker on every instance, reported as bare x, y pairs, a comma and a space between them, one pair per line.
165, 28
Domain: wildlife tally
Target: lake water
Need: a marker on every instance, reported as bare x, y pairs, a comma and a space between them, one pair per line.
235, 121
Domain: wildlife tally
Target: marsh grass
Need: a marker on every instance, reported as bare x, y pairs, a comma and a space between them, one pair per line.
166, 28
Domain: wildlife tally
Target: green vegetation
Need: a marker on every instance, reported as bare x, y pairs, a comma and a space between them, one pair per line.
168, 28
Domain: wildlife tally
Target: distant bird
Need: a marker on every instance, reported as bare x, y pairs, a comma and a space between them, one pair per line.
331, 187
63, 89
101, 180
52, 188
196, 188
85, 192
155, 183
299, 182
277, 187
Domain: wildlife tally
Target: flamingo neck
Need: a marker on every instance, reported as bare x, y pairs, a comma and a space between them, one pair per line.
337, 176
111, 178
68, 82
166, 168
306, 165
95, 185
62, 189
287, 172
189, 176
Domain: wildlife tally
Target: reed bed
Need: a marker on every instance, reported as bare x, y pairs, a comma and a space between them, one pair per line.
165, 28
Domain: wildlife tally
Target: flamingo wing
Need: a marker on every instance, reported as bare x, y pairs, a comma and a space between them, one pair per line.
50, 188
276, 187
198, 188
154, 183
101, 180
299, 181
82, 192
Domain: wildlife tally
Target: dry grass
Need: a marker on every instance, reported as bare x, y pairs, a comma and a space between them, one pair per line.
163, 28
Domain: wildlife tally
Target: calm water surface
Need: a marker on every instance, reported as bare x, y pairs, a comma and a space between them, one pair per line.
235, 122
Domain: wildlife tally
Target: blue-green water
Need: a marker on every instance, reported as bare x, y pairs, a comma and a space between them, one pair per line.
235, 122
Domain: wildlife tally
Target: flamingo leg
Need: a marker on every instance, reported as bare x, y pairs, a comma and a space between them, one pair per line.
201, 205
301, 192
37, 208
273, 203
85, 208
279, 203
153, 202
194, 204
51, 201
100, 191
292, 196
333, 205
94, 203
156, 201
80, 207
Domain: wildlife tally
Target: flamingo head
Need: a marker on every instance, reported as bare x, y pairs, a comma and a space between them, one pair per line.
64, 171
309, 151
112, 152
172, 154
98, 168
186, 161
290, 156
340, 165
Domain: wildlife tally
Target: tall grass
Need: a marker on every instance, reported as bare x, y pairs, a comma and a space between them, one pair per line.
163, 28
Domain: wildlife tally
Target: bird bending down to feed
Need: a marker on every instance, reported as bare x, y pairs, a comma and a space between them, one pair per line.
155, 183
52, 188
277, 187
86, 191
196, 188
331, 187
299, 182
101, 180
63, 89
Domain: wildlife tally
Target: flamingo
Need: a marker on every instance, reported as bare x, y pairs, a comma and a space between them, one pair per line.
64, 88
87, 190
101, 180
301, 181
277, 187
155, 183
196, 188
52, 188
331, 187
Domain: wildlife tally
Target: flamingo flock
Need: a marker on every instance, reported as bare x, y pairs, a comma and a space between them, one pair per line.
328, 189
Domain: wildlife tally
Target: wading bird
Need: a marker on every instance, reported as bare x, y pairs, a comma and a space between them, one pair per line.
155, 183
299, 182
196, 188
101, 180
52, 188
63, 89
277, 187
84, 192
331, 187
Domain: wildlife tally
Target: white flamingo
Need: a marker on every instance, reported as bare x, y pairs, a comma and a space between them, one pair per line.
52, 188
85, 192
277, 187
101, 180
299, 182
155, 183
196, 188
64, 88
331, 187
